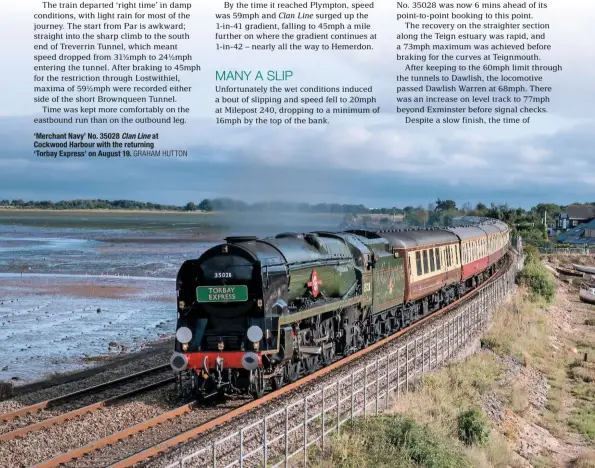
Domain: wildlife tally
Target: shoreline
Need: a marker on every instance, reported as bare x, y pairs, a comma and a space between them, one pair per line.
5, 209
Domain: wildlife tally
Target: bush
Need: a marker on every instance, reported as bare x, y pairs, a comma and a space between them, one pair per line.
539, 281
531, 254
474, 428
395, 440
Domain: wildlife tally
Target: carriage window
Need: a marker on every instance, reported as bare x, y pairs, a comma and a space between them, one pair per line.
432, 262
418, 262
437, 252
448, 262
425, 261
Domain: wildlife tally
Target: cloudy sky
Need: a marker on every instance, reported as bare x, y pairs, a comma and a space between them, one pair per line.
377, 160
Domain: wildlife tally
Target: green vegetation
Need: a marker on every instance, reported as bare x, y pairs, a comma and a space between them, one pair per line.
215, 204
395, 441
98, 205
474, 428
446, 406
438, 425
537, 278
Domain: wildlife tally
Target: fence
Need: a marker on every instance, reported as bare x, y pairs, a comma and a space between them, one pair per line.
568, 250
284, 434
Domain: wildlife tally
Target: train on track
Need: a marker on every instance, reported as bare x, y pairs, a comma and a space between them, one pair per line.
255, 314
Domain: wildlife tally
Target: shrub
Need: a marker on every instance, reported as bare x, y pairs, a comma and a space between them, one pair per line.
395, 440
539, 281
474, 428
531, 254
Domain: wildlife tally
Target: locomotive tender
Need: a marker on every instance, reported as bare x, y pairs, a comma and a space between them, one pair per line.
255, 314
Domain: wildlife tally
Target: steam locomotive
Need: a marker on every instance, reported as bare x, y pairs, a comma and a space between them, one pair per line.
255, 314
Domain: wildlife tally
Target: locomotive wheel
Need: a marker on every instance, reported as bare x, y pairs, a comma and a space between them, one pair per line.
257, 383
278, 381
310, 364
292, 371
327, 355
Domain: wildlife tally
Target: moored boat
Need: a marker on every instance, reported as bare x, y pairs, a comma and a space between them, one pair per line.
584, 269
568, 272
587, 293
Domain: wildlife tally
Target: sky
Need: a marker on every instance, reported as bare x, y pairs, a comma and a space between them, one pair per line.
377, 160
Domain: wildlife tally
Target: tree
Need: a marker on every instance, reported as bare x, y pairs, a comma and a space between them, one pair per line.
418, 217
190, 206
445, 205
422, 216
481, 207
205, 205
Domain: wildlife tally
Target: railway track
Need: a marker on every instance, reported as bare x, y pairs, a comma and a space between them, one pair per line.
34, 433
140, 442
53, 411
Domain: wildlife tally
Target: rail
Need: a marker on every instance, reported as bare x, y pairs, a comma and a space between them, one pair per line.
289, 432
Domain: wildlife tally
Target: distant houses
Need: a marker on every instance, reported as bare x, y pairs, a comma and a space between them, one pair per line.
576, 215
579, 222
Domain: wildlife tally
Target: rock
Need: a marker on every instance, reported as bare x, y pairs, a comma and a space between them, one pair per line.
6, 389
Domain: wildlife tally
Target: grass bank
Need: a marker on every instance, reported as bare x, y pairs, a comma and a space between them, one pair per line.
524, 400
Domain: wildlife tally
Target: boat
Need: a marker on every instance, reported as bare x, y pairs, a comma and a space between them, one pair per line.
568, 272
584, 269
587, 293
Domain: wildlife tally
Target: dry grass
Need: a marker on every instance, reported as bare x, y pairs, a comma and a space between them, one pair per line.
524, 330
518, 328
518, 400
585, 460
568, 260
433, 412
446, 393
